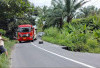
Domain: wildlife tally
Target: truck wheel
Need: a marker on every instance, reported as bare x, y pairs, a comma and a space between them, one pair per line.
31, 40
35, 39
19, 41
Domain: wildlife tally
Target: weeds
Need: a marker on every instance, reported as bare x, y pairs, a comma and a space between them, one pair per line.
79, 35
4, 60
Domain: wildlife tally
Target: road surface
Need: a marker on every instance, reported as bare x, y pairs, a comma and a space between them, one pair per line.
47, 55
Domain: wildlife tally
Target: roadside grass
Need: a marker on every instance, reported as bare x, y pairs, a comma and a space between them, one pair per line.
89, 46
39, 29
81, 35
4, 60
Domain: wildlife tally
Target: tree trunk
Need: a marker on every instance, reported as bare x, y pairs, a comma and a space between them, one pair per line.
61, 23
69, 18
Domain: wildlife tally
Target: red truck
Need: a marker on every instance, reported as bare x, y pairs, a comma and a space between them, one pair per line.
26, 32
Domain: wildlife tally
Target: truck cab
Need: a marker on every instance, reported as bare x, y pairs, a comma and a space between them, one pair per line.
26, 33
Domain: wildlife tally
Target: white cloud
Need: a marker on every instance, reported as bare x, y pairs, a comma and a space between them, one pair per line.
48, 3
96, 3
41, 2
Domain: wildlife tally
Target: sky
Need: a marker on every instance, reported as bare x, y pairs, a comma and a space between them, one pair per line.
48, 3
41, 2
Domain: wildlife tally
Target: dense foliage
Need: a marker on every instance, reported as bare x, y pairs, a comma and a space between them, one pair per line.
68, 23
59, 11
4, 60
79, 35
14, 13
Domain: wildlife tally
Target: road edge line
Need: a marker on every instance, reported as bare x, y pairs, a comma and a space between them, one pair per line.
86, 65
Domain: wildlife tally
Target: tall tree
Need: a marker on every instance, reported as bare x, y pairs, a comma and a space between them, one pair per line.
69, 7
13, 10
62, 9
88, 10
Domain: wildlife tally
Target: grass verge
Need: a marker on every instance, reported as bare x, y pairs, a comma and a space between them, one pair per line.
74, 41
5, 61
79, 48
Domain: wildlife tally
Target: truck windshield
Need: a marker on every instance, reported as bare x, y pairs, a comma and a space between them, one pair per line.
24, 29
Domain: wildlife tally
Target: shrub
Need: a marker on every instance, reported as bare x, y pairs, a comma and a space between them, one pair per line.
92, 43
3, 31
79, 46
96, 33
4, 61
79, 35
51, 32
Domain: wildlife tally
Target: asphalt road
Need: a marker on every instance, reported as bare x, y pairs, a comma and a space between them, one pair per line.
47, 55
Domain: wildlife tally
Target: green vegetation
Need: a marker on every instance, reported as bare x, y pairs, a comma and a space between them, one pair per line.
14, 13
64, 23
3, 31
79, 35
68, 23
59, 11
4, 60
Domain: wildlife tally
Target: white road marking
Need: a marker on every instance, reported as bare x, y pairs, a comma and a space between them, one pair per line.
86, 65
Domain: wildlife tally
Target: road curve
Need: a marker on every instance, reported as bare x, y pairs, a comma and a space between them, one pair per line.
46, 55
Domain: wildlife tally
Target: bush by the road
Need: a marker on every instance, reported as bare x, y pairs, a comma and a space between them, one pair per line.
79, 35
5, 61
3, 31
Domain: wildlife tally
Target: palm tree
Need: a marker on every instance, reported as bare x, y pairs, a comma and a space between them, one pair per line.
54, 17
41, 15
59, 10
68, 7
89, 10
